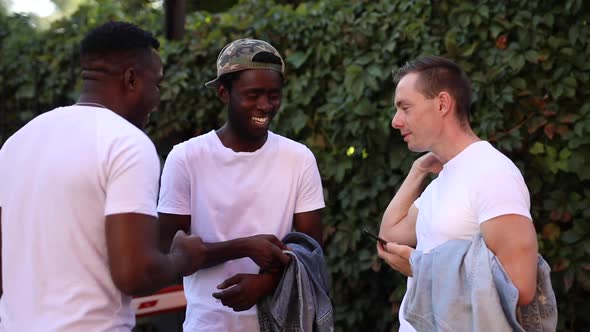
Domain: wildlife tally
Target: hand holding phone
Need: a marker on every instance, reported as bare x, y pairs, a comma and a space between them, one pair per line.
382, 241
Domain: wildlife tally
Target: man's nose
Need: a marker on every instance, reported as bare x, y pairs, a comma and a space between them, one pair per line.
396, 122
264, 103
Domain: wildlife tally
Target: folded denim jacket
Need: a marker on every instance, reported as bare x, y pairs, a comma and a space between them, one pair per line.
461, 286
301, 301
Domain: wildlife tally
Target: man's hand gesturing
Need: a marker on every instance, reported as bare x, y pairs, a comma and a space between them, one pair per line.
266, 251
191, 248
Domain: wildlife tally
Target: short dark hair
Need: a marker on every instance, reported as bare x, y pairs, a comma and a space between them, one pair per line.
116, 37
263, 57
436, 74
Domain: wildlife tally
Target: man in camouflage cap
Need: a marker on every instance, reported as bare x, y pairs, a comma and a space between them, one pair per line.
238, 55
241, 188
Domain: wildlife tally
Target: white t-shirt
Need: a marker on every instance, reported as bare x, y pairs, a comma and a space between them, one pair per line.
60, 175
231, 195
478, 184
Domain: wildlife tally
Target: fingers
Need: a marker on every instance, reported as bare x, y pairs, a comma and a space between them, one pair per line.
226, 294
380, 249
277, 242
283, 258
396, 262
398, 249
233, 297
240, 307
230, 282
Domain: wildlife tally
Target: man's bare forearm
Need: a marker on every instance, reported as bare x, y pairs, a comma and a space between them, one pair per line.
399, 220
221, 252
404, 198
161, 270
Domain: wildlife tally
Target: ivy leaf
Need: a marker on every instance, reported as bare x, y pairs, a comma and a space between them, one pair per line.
570, 236
297, 59
532, 56
537, 148
578, 163
549, 130
517, 62
551, 232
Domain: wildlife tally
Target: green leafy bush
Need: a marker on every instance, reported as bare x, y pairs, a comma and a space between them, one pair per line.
527, 60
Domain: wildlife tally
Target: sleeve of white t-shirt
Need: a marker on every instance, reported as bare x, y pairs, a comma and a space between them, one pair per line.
310, 195
2, 173
501, 192
132, 174
175, 192
417, 202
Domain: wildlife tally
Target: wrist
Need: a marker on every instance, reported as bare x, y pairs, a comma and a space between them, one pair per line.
270, 281
242, 247
179, 263
418, 172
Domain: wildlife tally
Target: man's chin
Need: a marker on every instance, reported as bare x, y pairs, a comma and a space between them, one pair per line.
258, 131
417, 149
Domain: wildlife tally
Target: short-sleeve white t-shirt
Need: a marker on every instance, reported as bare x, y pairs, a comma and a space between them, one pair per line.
231, 195
478, 184
60, 175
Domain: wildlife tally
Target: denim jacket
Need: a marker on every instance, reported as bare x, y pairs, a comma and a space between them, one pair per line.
300, 301
461, 286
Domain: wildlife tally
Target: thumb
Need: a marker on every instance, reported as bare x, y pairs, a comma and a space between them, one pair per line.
279, 244
392, 247
180, 233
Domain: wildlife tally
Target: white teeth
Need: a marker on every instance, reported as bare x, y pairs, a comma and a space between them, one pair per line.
259, 121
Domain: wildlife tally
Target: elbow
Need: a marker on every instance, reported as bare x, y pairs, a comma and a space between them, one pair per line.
132, 279
527, 290
128, 282
525, 297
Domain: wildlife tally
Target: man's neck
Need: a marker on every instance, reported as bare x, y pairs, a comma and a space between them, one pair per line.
231, 139
453, 143
88, 98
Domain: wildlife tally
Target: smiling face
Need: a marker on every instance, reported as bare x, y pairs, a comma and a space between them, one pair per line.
253, 100
416, 116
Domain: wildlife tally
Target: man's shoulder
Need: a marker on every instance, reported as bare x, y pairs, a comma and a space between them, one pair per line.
114, 134
487, 158
114, 125
196, 143
496, 159
194, 147
489, 167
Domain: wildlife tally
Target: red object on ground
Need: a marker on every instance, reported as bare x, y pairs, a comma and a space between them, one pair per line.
165, 300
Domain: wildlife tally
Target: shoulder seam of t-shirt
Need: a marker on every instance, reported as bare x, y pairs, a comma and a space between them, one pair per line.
173, 210
310, 207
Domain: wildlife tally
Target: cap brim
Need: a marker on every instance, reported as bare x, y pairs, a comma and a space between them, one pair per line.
212, 84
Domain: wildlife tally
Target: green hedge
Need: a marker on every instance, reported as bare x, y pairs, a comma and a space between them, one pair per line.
530, 71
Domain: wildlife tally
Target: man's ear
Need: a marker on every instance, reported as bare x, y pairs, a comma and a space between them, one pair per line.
445, 103
223, 93
130, 79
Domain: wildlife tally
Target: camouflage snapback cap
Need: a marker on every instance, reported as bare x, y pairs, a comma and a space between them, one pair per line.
238, 55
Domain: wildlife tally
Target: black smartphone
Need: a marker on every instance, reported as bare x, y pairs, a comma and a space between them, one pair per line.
383, 242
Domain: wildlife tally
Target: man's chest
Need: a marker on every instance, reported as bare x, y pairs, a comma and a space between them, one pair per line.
446, 212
